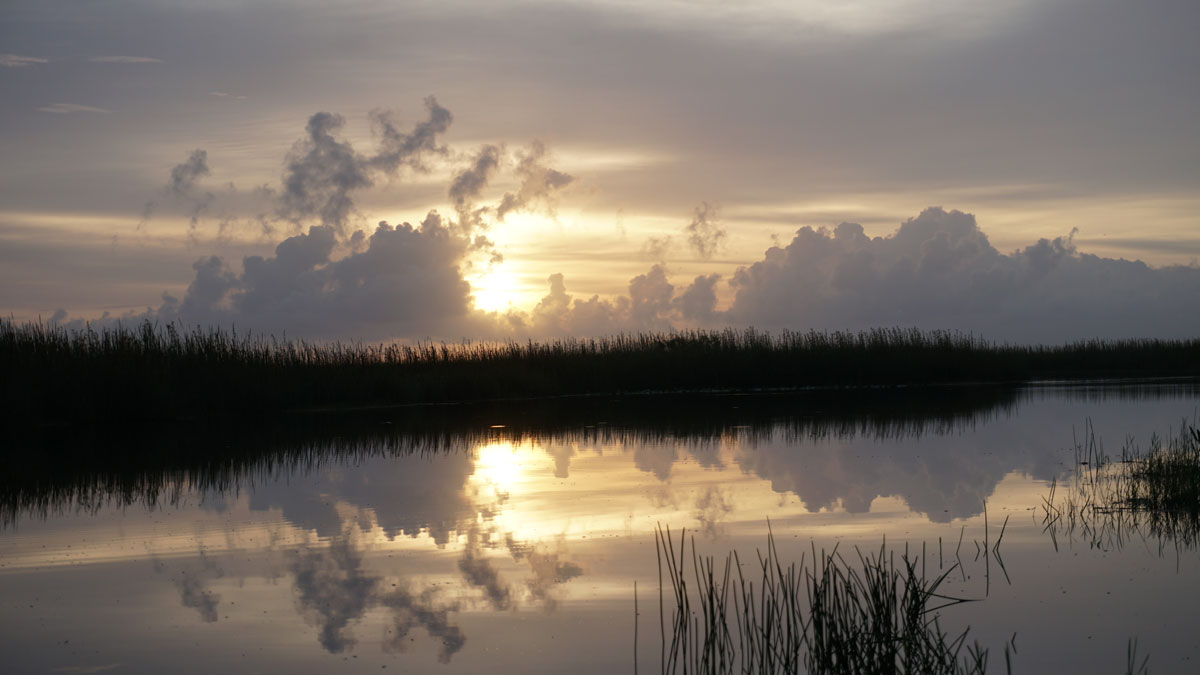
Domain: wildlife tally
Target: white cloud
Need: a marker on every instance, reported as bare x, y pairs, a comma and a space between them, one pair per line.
65, 108
18, 61
124, 59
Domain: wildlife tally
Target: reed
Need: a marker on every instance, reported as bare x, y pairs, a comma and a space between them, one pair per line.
1150, 494
168, 371
873, 613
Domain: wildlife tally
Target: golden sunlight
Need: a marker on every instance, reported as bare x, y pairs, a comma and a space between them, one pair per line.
500, 467
494, 289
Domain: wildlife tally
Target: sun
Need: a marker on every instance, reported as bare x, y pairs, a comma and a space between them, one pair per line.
495, 289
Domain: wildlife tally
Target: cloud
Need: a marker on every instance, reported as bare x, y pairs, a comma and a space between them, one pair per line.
67, 108
398, 149
83, 670
656, 248
193, 588
332, 591
405, 282
411, 610
194, 594
185, 174
539, 183
704, 233
712, 506
225, 94
650, 304
468, 184
939, 270
124, 59
321, 172
478, 572
18, 61
549, 570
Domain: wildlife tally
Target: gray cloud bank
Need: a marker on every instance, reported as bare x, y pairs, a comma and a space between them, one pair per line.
935, 271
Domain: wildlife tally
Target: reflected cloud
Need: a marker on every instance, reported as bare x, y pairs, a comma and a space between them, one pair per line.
713, 505
194, 592
332, 591
478, 572
411, 611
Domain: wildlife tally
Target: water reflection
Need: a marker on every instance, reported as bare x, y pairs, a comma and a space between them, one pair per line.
404, 531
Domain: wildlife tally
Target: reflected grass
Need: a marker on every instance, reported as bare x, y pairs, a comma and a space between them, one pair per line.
1150, 494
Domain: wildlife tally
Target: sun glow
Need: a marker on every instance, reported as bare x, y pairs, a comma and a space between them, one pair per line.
495, 289
499, 466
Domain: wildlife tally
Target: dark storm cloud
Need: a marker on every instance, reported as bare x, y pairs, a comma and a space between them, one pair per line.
704, 233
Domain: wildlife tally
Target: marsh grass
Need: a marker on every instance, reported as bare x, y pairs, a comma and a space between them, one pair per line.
869, 613
167, 371
1150, 494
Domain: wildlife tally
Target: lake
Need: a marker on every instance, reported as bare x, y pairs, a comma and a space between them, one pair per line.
510, 538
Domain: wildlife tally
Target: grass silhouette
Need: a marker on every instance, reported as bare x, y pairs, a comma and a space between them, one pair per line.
156, 371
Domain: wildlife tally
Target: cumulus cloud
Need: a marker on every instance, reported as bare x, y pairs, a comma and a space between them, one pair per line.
939, 270
540, 184
704, 233
18, 61
405, 282
650, 304
68, 108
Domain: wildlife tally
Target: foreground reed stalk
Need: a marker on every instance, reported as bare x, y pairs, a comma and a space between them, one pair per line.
871, 614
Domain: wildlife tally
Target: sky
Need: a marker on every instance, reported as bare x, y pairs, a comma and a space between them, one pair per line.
1027, 171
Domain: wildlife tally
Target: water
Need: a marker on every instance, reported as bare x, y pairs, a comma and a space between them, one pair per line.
510, 539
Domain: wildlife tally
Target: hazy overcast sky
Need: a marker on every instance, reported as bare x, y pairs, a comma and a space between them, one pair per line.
661, 156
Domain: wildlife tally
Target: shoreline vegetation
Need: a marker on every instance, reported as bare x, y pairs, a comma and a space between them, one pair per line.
1147, 495
169, 372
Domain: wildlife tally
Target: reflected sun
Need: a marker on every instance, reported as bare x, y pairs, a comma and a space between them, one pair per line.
499, 466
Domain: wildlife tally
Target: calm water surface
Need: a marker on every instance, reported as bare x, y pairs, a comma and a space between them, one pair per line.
501, 543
